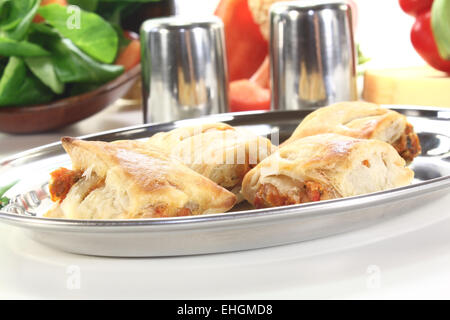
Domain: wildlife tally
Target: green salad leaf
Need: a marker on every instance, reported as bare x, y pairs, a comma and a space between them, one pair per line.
80, 88
3, 13
10, 47
44, 69
88, 5
71, 52
18, 86
72, 65
4, 200
440, 23
92, 34
114, 11
362, 59
19, 16
5, 189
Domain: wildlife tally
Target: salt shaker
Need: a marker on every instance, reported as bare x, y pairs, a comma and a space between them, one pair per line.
184, 69
313, 55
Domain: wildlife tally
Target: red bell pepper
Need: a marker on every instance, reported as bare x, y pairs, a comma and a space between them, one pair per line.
247, 49
246, 95
415, 7
423, 41
245, 45
426, 34
252, 94
262, 75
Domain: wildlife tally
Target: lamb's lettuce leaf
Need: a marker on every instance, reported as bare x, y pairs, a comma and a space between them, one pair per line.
440, 23
73, 65
4, 200
10, 48
16, 17
20, 87
88, 31
44, 69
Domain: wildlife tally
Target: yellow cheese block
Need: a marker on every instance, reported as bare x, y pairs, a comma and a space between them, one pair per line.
415, 86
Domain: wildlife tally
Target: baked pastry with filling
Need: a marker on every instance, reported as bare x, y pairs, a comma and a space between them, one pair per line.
362, 120
322, 167
217, 151
130, 180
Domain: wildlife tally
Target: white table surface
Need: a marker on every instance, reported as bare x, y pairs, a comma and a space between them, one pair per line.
408, 257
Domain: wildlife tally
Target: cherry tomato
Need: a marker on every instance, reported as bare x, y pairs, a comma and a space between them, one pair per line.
131, 56
130, 35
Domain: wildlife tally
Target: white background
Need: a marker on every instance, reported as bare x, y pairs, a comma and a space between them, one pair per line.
405, 258
383, 30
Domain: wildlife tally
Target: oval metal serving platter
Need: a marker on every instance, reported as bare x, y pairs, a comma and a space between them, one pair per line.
237, 230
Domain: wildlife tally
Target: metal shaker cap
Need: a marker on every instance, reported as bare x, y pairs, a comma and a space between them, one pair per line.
313, 55
184, 71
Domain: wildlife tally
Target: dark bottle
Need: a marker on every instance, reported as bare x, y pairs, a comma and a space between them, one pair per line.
162, 8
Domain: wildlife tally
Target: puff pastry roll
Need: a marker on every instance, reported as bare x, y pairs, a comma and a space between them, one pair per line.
364, 121
127, 180
217, 151
323, 167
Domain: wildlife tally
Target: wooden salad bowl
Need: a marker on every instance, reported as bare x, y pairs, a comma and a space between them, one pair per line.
60, 113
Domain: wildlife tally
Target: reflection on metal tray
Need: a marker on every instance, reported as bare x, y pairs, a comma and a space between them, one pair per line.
237, 230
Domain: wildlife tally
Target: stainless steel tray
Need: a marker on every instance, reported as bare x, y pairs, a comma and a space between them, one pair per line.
238, 230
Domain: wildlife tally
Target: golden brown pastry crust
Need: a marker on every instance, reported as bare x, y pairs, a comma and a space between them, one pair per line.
339, 166
217, 151
361, 120
138, 182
